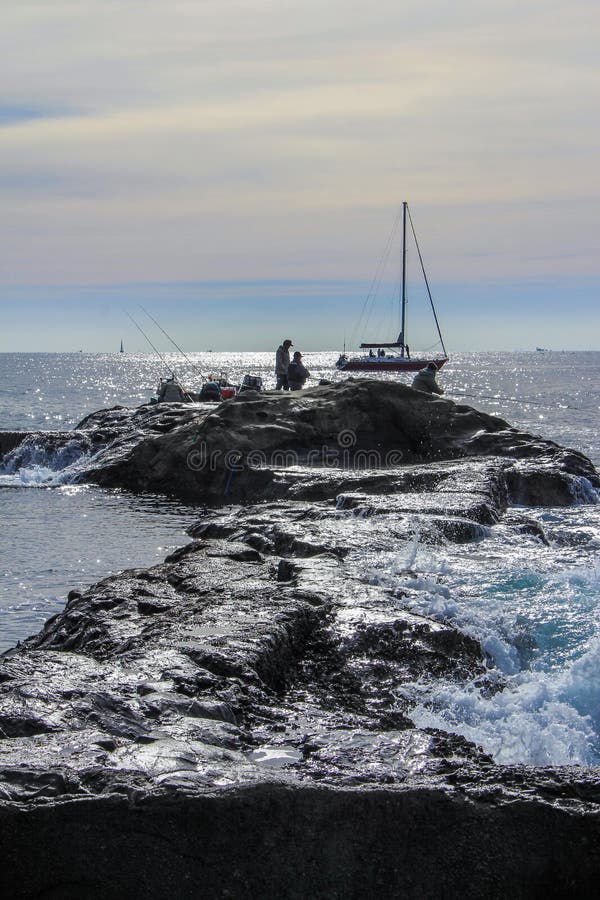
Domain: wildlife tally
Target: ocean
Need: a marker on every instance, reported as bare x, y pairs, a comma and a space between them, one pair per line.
534, 608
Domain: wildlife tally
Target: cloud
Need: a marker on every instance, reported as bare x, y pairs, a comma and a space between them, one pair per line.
264, 139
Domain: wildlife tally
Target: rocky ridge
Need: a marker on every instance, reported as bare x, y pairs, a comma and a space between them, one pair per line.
235, 718
235, 451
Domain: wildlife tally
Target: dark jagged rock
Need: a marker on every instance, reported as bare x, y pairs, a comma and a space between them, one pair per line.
235, 722
236, 451
250, 737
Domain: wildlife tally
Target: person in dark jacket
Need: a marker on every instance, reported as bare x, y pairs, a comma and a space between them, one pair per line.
425, 380
297, 373
282, 361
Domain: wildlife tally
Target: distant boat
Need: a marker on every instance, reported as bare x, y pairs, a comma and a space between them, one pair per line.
540, 349
121, 350
399, 360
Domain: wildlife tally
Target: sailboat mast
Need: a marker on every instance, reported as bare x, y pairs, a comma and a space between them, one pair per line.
403, 313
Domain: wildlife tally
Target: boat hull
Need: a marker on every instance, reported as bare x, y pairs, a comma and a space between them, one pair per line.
387, 364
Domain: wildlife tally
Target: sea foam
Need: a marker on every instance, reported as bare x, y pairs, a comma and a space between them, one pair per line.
536, 614
37, 463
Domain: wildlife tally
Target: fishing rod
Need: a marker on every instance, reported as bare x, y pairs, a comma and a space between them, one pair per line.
168, 336
513, 400
156, 350
159, 354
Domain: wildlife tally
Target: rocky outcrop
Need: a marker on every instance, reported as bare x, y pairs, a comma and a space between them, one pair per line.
234, 718
235, 722
236, 450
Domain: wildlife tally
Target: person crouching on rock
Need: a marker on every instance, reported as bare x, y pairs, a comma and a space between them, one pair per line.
297, 373
425, 380
282, 361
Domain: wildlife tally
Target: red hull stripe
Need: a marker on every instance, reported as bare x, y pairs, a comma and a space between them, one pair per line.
406, 365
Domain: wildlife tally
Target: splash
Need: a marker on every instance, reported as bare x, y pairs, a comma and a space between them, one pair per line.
582, 490
535, 611
46, 461
538, 719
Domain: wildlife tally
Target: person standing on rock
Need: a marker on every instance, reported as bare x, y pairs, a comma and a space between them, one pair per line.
425, 380
282, 362
297, 373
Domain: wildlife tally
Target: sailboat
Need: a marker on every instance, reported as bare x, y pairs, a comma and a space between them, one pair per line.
122, 350
399, 359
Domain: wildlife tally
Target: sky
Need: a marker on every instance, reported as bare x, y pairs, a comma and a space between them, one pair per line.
236, 167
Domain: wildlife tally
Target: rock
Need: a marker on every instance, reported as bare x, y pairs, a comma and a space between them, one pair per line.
146, 737
235, 720
249, 709
242, 450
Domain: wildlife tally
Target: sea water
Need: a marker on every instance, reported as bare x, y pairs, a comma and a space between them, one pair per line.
534, 608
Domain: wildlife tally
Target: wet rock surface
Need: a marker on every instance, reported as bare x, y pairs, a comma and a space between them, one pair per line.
235, 721
234, 451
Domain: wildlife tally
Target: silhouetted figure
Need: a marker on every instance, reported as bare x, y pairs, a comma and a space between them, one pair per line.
425, 380
297, 373
282, 362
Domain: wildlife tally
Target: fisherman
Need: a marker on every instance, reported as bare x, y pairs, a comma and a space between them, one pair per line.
425, 380
282, 362
170, 391
211, 390
297, 373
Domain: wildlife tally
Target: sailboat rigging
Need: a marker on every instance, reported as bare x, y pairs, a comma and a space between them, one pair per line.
399, 360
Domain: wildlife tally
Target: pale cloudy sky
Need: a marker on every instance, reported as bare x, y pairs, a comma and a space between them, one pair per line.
237, 167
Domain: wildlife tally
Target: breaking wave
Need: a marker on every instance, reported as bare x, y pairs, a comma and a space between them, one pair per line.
535, 611
46, 461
